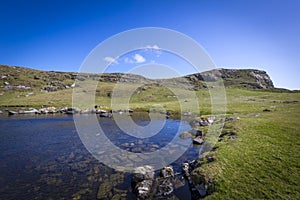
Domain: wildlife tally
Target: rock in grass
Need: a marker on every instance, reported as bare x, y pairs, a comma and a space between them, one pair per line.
231, 119
210, 159
204, 122
232, 137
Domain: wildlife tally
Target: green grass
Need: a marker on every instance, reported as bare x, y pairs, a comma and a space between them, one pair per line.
263, 162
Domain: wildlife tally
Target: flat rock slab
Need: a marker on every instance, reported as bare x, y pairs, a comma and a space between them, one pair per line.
198, 140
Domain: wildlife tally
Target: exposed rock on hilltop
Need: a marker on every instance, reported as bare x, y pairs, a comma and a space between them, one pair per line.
121, 77
249, 78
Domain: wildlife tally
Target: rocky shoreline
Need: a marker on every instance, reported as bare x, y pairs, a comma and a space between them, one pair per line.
65, 110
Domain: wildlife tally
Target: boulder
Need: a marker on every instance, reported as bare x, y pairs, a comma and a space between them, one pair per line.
185, 169
142, 179
211, 119
198, 140
204, 122
189, 113
196, 133
143, 189
167, 172
142, 173
108, 115
210, 159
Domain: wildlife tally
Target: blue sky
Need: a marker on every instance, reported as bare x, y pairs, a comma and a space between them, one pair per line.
58, 35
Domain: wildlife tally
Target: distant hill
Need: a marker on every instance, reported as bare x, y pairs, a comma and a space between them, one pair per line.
18, 78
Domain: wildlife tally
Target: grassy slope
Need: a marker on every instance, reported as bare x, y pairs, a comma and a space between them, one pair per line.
263, 162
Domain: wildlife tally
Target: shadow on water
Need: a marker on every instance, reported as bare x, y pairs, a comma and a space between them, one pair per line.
42, 157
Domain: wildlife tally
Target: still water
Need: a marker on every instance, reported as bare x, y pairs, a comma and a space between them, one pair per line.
43, 157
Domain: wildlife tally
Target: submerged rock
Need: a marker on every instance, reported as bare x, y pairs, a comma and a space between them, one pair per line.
202, 189
185, 135
165, 185
166, 188
107, 189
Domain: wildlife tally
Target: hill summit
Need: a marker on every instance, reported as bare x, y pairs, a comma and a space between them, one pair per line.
20, 78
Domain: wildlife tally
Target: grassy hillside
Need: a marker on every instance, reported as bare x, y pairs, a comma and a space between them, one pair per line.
24, 87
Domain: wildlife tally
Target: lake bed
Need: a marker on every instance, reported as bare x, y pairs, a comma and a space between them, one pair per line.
43, 157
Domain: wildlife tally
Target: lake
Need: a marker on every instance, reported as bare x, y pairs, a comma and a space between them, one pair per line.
43, 157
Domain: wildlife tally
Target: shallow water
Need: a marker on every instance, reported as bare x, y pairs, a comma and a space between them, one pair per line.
43, 157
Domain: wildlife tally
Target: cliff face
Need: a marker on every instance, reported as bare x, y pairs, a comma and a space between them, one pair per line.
250, 78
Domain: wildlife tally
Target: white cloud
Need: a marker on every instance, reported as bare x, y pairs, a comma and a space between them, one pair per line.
128, 60
111, 60
155, 47
139, 58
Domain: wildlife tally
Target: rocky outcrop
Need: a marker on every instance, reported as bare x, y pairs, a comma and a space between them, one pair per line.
250, 78
262, 79
121, 77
